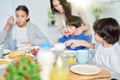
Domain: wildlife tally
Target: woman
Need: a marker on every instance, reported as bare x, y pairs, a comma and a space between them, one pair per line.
62, 10
23, 31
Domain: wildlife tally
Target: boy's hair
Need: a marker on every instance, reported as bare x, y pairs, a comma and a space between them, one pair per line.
108, 29
74, 21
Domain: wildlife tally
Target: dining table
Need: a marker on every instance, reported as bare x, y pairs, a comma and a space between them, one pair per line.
105, 74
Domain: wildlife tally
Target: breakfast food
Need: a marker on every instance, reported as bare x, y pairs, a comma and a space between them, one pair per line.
2, 61
16, 54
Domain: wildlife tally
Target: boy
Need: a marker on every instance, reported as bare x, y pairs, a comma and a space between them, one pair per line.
73, 23
107, 49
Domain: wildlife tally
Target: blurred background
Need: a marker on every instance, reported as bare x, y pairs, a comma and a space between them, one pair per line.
39, 12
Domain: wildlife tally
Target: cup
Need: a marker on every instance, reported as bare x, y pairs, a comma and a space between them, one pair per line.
70, 57
82, 56
1, 52
12, 44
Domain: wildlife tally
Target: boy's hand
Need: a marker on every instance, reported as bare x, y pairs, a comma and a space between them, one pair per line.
77, 43
69, 42
65, 32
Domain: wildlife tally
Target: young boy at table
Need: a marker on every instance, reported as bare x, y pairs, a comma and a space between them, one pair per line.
107, 48
73, 23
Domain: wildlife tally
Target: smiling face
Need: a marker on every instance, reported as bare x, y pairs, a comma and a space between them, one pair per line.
21, 18
57, 5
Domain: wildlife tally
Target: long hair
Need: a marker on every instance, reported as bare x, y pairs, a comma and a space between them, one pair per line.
66, 6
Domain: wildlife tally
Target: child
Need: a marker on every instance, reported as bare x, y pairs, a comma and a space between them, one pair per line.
107, 49
73, 23
23, 31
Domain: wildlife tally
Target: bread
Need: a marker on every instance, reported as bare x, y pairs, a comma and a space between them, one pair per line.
16, 54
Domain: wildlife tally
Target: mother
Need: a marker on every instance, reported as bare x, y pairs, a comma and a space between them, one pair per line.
63, 9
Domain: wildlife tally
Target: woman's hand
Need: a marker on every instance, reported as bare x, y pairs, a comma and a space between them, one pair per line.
78, 31
10, 21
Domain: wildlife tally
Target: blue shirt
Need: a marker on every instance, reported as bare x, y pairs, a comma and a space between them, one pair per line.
78, 37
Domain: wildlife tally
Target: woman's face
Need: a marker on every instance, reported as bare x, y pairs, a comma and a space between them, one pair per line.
21, 18
57, 5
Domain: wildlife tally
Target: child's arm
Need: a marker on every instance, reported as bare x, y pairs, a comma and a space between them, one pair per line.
76, 43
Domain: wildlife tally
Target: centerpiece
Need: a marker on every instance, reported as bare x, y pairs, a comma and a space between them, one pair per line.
24, 68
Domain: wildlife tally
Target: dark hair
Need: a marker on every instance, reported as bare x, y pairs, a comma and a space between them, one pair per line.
108, 29
74, 21
23, 8
66, 6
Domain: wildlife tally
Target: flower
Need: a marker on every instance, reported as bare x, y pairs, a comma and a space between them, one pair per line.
24, 68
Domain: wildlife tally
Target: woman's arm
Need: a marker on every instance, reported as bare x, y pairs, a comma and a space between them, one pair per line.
78, 11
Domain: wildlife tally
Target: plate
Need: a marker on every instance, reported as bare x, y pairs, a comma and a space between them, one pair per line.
26, 54
85, 69
4, 63
25, 48
6, 51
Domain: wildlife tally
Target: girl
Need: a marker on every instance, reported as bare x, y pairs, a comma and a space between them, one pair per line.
23, 31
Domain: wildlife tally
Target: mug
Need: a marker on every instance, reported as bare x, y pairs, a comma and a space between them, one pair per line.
82, 56
12, 44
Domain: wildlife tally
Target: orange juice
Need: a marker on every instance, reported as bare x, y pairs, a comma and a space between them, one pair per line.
59, 74
71, 60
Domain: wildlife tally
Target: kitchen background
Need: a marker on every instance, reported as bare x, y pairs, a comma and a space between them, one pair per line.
39, 13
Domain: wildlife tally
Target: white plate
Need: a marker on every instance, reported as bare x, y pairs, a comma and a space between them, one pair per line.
2, 66
85, 69
26, 48
6, 51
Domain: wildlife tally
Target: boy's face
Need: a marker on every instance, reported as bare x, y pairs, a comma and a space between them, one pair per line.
71, 29
98, 38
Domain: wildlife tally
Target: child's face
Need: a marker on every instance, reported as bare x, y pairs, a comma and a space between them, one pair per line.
21, 18
98, 38
71, 29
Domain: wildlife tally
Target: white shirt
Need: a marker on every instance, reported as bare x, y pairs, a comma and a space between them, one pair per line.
109, 57
20, 34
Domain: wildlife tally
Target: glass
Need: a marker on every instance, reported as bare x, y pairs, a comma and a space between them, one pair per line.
71, 60
60, 70
12, 44
1, 51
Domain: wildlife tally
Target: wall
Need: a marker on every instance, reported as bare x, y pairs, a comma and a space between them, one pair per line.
39, 11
